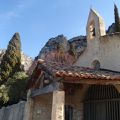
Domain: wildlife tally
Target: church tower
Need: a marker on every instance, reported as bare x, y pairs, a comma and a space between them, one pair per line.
95, 26
94, 30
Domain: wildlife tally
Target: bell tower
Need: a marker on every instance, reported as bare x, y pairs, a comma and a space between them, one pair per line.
94, 30
95, 26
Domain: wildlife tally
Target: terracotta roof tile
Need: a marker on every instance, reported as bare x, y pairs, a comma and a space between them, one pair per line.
80, 72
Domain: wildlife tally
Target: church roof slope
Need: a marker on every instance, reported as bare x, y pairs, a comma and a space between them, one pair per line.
95, 12
75, 74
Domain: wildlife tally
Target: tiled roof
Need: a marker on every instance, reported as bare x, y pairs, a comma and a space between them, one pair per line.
72, 74
81, 72
86, 73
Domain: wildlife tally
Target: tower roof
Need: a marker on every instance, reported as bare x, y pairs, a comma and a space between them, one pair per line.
96, 13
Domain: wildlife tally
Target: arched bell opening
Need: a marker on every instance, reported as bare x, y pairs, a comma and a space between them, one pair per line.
92, 30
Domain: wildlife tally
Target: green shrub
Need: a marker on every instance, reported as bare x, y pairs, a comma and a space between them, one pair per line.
13, 90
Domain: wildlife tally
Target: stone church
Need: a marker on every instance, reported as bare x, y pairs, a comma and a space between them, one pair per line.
88, 89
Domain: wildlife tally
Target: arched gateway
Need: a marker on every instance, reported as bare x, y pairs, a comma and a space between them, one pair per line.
102, 102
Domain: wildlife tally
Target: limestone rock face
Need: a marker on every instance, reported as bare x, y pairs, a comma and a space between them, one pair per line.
26, 61
79, 44
59, 42
76, 44
60, 50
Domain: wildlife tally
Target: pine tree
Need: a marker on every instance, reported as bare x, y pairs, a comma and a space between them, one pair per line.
117, 19
11, 61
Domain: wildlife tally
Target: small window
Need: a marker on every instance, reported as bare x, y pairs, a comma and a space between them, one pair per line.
96, 65
68, 112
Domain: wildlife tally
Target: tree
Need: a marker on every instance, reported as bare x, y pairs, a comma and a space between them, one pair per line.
3, 95
17, 86
11, 61
117, 19
14, 89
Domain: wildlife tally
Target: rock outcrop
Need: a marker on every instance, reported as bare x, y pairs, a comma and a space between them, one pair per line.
61, 51
74, 46
78, 45
59, 42
26, 61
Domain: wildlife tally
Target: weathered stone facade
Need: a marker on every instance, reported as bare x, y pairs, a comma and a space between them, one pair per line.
13, 112
76, 101
102, 48
42, 107
45, 106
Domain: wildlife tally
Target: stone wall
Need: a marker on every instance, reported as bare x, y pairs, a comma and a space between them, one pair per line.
76, 101
42, 107
91, 53
13, 112
106, 50
110, 52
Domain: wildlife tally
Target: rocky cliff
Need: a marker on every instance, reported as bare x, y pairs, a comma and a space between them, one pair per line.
26, 61
74, 46
61, 51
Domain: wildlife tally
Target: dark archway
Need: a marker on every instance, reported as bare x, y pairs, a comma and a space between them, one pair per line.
102, 102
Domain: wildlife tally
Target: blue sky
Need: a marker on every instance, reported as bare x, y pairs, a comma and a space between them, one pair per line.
39, 20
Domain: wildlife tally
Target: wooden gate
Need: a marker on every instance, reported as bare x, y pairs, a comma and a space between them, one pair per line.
102, 103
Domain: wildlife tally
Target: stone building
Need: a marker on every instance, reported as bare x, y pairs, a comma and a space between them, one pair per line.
88, 89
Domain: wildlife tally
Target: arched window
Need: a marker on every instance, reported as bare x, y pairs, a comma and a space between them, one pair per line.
96, 65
